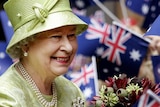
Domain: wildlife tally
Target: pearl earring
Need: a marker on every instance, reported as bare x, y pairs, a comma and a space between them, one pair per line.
25, 54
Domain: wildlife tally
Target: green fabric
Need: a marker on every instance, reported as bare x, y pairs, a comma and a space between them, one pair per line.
16, 92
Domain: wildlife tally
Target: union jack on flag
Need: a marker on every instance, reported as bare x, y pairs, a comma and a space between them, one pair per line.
96, 34
98, 30
118, 49
122, 52
149, 99
116, 45
86, 79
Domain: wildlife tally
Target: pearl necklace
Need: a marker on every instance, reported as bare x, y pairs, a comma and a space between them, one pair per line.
39, 95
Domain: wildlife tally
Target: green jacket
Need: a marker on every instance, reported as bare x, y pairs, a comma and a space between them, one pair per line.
16, 92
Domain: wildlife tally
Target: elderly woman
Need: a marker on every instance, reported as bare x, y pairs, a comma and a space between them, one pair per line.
44, 42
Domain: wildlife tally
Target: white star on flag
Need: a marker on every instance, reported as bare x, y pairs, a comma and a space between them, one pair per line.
87, 92
158, 70
145, 8
2, 55
135, 55
99, 51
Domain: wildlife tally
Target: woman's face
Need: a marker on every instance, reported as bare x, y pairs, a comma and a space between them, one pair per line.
53, 51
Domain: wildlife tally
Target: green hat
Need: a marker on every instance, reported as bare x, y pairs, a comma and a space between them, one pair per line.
29, 17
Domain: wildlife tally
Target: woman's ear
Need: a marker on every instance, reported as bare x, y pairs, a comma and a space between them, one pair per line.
25, 50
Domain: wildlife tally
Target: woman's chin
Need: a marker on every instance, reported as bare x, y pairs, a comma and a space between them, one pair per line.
60, 71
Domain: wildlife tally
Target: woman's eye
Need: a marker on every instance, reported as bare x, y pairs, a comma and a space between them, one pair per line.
72, 36
56, 38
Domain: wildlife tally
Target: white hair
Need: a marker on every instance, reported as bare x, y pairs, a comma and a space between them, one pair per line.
16, 51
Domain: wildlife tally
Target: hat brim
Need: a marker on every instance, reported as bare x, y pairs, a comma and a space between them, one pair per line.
53, 21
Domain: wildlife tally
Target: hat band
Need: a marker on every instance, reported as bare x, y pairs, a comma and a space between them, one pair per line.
40, 12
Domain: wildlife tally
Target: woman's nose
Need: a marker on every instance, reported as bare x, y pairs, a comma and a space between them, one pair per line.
66, 45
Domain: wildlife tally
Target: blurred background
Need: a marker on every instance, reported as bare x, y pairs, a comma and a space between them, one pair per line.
133, 18
1, 30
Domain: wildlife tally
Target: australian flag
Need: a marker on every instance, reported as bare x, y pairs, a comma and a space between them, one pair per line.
122, 52
156, 68
5, 60
86, 79
6, 25
150, 9
95, 35
152, 14
83, 4
117, 48
149, 99
140, 7
154, 30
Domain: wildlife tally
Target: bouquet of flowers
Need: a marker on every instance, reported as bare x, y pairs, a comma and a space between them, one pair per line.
122, 91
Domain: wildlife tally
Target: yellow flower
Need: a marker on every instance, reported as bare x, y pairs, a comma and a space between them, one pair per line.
111, 99
133, 87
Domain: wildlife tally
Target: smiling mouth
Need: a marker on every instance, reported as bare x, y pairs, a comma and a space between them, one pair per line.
61, 59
